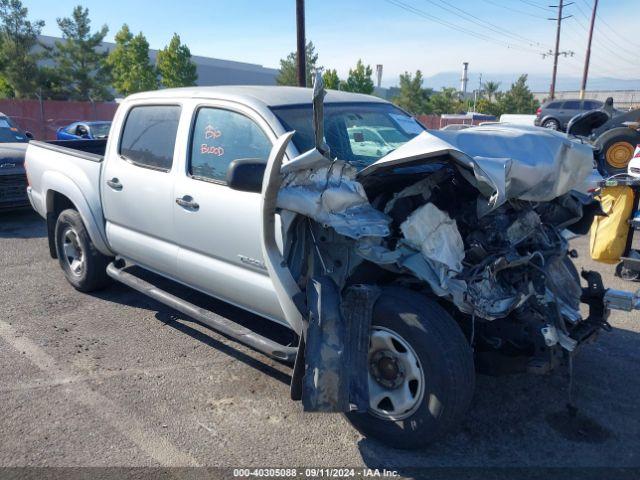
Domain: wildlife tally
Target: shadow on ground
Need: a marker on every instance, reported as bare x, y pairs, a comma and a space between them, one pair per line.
22, 224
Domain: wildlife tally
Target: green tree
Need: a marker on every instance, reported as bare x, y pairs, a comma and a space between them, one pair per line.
129, 63
18, 36
359, 79
331, 80
519, 99
288, 67
81, 65
488, 107
491, 88
412, 97
446, 100
175, 66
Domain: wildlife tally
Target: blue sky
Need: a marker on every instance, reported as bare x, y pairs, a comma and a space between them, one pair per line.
508, 35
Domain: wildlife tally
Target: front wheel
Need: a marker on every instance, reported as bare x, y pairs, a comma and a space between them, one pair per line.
83, 265
421, 372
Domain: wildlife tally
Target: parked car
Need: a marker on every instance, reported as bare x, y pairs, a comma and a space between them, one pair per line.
84, 131
359, 254
555, 114
13, 180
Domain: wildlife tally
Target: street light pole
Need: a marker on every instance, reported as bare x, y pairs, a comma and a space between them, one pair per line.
587, 57
301, 47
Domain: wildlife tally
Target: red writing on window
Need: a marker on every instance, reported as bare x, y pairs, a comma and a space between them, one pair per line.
211, 132
211, 150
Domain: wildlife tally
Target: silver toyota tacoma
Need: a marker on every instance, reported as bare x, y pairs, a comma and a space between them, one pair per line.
400, 270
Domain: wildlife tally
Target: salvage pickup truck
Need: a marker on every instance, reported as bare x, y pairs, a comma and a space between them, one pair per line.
398, 276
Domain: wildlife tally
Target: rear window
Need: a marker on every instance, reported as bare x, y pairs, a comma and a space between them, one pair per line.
571, 105
554, 105
149, 136
592, 105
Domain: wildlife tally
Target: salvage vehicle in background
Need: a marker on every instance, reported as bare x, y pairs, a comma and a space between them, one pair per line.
84, 131
613, 134
397, 275
556, 114
13, 180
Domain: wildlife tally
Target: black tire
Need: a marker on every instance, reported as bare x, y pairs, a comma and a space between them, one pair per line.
613, 149
551, 123
446, 359
91, 273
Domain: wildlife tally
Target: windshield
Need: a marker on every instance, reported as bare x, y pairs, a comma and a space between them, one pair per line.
359, 133
100, 130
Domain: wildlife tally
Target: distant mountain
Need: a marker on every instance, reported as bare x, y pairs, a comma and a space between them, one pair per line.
536, 82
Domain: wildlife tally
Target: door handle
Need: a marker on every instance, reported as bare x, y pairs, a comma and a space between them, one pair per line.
187, 202
114, 183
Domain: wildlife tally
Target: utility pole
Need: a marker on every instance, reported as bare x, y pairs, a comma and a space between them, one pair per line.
557, 53
301, 47
587, 56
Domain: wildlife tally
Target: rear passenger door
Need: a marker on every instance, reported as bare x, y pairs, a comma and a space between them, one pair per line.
217, 228
137, 188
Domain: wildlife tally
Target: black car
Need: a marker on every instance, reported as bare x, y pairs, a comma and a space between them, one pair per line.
555, 114
13, 178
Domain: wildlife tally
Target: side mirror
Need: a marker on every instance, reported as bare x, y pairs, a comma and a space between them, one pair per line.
29, 135
246, 174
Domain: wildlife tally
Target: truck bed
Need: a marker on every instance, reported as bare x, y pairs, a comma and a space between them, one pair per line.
92, 150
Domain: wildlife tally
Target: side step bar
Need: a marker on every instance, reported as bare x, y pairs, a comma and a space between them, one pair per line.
222, 325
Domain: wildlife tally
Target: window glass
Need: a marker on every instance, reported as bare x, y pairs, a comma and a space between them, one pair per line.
592, 105
149, 135
222, 136
553, 105
359, 133
571, 105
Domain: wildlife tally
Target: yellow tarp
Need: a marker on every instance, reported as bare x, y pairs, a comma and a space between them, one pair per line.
609, 234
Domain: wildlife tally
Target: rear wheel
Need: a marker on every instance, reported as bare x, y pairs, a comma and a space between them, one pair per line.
83, 265
421, 372
551, 123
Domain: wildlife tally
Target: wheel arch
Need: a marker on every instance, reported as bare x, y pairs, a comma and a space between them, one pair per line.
62, 193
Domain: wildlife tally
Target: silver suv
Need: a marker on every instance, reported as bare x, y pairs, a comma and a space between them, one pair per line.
555, 114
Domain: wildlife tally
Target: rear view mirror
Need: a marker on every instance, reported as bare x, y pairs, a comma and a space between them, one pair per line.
246, 174
358, 137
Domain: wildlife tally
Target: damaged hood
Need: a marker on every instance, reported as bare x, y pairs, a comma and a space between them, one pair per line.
507, 162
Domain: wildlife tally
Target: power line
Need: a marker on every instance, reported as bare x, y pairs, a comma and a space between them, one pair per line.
484, 23
473, 33
527, 2
491, 2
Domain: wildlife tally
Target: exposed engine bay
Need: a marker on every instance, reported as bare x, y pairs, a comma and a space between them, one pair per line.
485, 235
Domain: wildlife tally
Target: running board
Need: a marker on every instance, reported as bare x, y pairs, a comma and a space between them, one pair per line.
220, 324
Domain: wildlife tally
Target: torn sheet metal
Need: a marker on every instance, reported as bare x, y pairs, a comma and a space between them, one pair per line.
330, 196
508, 162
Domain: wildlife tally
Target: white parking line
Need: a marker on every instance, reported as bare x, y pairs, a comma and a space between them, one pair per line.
155, 445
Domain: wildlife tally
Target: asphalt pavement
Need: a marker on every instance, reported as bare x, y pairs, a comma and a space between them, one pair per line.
116, 379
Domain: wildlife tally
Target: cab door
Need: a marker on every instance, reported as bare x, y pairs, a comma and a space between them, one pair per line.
137, 188
217, 228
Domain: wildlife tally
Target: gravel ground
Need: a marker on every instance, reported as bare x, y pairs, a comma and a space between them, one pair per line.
116, 379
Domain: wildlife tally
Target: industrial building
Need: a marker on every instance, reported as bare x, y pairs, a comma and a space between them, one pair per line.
211, 71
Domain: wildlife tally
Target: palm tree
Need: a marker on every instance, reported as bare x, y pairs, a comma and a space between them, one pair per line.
491, 88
